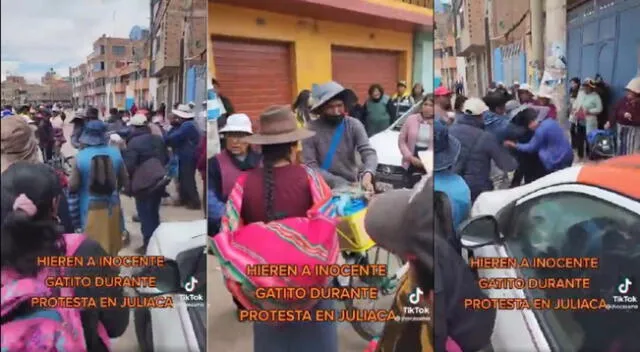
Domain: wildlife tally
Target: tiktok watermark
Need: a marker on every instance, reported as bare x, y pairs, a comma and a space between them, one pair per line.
417, 310
625, 299
189, 298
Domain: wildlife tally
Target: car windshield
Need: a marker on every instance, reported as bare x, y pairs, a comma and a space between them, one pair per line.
397, 126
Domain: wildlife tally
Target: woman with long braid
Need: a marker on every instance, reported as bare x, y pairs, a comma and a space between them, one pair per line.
281, 193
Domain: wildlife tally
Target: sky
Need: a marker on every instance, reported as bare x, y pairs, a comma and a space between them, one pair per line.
40, 34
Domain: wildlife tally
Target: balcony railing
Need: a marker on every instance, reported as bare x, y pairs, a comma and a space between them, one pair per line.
422, 3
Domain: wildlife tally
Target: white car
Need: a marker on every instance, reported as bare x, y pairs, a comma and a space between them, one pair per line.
390, 172
183, 327
590, 210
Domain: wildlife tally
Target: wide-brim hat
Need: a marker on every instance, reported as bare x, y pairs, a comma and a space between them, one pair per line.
18, 141
323, 93
94, 133
634, 85
183, 111
278, 125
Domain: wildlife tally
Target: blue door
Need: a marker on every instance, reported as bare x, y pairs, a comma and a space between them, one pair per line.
497, 65
603, 38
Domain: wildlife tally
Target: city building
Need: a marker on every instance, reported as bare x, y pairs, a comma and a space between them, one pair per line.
509, 30
265, 52
178, 51
116, 73
54, 89
195, 50
78, 76
470, 40
108, 54
167, 24
444, 55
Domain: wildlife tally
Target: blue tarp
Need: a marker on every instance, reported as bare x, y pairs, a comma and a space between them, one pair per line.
129, 103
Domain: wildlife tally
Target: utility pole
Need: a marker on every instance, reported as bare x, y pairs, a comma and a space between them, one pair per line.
537, 38
487, 39
556, 30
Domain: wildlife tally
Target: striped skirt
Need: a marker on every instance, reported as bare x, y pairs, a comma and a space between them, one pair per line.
628, 139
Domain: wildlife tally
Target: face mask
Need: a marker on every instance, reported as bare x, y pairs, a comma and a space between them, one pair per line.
333, 119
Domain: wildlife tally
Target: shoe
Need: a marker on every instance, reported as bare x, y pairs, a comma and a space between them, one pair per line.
135, 218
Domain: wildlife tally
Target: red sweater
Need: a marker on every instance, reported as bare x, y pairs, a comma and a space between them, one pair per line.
201, 157
623, 106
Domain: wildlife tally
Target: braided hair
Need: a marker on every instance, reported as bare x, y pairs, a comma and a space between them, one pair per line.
271, 154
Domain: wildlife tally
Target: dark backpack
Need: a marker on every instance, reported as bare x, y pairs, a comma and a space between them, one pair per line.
102, 176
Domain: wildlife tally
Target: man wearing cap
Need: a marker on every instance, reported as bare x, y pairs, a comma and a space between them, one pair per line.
184, 137
443, 108
401, 101
332, 150
224, 168
403, 222
479, 148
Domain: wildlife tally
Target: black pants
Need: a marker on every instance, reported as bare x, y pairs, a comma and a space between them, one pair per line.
579, 139
47, 152
413, 174
187, 183
529, 169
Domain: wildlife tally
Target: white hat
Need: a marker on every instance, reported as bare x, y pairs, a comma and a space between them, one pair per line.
204, 102
516, 83
137, 120
525, 87
634, 85
474, 106
183, 111
238, 123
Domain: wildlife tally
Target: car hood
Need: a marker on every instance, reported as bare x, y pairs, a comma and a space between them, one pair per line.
490, 203
385, 144
172, 238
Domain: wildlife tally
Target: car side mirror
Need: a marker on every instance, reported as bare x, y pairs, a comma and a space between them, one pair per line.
167, 279
480, 231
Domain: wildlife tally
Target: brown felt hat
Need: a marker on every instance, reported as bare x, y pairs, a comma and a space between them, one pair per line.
278, 125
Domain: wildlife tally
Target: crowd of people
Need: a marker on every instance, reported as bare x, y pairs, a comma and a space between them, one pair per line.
513, 135
48, 210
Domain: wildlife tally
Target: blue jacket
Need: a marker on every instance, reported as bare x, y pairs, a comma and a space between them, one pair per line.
479, 147
184, 140
456, 189
551, 144
497, 125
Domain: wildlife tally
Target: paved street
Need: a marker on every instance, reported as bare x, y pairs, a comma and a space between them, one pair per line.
128, 342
